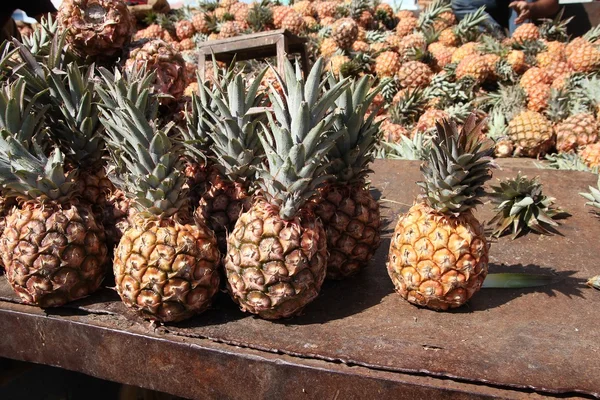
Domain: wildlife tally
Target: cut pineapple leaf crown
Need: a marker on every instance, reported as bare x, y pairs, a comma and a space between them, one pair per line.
521, 206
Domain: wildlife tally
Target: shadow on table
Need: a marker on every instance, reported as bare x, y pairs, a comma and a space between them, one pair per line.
563, 283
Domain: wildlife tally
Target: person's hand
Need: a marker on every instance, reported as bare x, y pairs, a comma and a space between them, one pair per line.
523, 10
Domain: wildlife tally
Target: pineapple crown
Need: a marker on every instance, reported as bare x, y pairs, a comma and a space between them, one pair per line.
25, 171
432, 12
354, 149
234, 131
416, 148
459, 164
508, 100
69, 91
593, 34
593, 196
521, 206
556, 28
146, 160
410, 105
260, 16
567, 161
203, 113
297, 138
467, 29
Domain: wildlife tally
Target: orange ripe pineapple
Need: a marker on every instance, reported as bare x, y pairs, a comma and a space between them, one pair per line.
414, 74
537, 97
406, 26
534, 76
387, 64
474, 66
465, 50
525, 33
516, 58
576, 131
438, 255
532, 134
591, 155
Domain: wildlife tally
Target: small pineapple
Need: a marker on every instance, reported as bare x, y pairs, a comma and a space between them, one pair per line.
168, 63
531, 133
590, 154
165, 268
346, 207
414, 74
521, 207
344, 32
466, 31
576, 131
527, 32
387, 63
277, 254
439, 253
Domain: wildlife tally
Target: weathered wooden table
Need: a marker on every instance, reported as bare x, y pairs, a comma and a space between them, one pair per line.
266, 44
359, 339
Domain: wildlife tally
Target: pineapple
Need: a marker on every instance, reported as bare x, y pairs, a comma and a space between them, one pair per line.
521, 206
260, 16
277, 254
414, 74
467, 49
432, 13
591, 155
184, 29
473, 66
99, 29
169, 65
498, 132
237, 151
328, 47
53, 248
439, 254
531, 133
165, 268
584, 58
576, 131
406, 26
325, 9
344, 32
538, 96
200, 23
516, 58
594, 200
304, 8
387, 64
293, 22
534, 76
347, 209
337, 63
527, 32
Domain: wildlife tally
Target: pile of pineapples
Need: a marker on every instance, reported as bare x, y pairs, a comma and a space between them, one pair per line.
98, 160
538, 87
110, 147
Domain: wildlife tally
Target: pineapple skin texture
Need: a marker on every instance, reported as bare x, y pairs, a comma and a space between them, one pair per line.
165, 270
274, 267
353, 226
107, 37
220, 206
53, 255
437, 261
